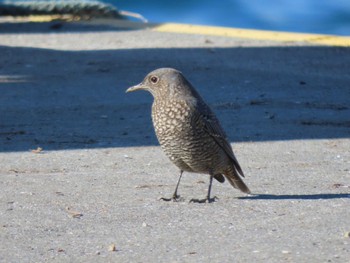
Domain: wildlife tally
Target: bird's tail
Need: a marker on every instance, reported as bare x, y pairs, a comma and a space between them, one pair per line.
235, 180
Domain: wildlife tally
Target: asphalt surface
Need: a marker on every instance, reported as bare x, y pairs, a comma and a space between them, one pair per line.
81, 172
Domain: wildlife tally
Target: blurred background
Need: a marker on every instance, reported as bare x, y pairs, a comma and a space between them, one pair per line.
311, 16
306, 16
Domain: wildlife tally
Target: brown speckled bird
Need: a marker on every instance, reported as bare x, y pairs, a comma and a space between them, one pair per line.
189, 132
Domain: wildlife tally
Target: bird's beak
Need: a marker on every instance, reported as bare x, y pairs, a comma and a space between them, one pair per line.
136, 87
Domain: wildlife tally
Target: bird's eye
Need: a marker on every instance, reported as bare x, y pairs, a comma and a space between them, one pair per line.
154, 79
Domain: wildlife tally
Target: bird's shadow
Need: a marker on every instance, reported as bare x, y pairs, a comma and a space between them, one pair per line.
295, 197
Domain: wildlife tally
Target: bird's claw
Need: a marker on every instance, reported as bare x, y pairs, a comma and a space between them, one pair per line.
205, 200
174, 198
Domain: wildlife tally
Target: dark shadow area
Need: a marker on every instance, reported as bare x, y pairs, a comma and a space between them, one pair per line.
296, 197
61, 26
58, 99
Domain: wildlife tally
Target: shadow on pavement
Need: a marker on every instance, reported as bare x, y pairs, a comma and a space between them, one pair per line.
59, 99
59, 26
296, 197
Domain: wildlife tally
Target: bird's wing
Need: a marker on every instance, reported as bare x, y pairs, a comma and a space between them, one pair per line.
212, 126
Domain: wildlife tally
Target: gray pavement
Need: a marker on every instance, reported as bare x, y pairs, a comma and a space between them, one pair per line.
97, 181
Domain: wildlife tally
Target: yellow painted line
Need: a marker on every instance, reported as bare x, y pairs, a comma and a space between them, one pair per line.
328, 40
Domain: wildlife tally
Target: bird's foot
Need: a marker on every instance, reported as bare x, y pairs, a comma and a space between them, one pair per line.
174, 198
205, 200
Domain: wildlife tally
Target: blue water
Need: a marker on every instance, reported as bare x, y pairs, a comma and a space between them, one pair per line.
310, 16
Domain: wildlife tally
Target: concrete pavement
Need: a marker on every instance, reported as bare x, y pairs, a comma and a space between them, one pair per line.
96, 182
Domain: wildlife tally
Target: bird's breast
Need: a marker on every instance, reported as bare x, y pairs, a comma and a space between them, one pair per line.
171, 118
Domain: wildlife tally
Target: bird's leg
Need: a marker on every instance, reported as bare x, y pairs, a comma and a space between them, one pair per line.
175, 196
207, 199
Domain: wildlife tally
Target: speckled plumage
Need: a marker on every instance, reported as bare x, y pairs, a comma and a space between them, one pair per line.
187, 129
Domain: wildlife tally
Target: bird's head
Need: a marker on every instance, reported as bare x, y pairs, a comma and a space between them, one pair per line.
164, 83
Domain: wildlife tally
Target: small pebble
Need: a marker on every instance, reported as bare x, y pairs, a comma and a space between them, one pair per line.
112, 248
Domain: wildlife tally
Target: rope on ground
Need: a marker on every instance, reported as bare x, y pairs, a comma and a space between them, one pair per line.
82, 8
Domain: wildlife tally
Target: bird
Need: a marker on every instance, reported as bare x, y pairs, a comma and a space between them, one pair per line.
189, 132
